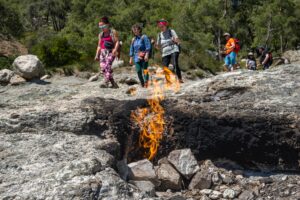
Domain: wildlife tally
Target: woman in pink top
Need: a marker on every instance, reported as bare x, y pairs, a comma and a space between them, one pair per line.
107, 50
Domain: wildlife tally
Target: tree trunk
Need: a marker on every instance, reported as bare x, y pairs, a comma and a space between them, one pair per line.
268, 31
225, 8
219, 44
281, 44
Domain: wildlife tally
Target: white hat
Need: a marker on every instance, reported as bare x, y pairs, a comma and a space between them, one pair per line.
250, 54
226, 34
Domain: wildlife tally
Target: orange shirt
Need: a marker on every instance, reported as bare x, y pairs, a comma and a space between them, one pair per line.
230, 45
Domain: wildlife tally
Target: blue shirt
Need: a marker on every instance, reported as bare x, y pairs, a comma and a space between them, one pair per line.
141, 43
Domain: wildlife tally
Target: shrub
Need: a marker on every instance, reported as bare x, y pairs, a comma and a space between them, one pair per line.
56, 52
6, 62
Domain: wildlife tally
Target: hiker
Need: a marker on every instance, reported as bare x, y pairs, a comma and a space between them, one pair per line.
107, 50
230, 53
139, 54
266, 58
251, 62
168, 42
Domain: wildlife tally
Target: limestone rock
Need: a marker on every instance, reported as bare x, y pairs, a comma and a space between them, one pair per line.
94, 78
28, 67
142, 170
202, 180
5, 75
169, 177
17, 80
47, 76
215, 195
246, 195
229, 194
292, 55
129, 81
146, 187
184, 161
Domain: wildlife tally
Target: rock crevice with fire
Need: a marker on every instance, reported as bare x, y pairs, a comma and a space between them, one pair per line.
231, 136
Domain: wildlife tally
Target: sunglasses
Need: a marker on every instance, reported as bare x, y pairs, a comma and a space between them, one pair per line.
103, 26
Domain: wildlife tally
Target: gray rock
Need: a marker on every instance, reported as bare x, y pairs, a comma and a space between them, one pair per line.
5, 75
129, 81
206, 191
202, 180
215, 195
229, 194
146, 187
83, 75
184, 161
169, 177
28, 67
204, 197
142, 170
17, 80
216, 178
45, 77
123, 169
227, 178
94, 78
113, 187
246, 195
292, 56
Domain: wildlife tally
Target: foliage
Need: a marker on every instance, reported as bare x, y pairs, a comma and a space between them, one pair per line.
10, 23
199, 24
6, 62
56, 52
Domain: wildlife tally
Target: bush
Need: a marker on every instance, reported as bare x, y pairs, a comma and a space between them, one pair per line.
55, 52
6, 62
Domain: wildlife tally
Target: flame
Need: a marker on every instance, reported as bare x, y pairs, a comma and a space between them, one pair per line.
151, 120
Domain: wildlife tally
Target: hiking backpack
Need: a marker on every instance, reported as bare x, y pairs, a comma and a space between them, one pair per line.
237, 47
151, 46
113, 34
170, 36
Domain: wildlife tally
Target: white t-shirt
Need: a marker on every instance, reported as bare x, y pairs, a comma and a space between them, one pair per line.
164, 39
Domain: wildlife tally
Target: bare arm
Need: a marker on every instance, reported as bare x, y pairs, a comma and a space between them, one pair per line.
98, 49
117, 43
266, 59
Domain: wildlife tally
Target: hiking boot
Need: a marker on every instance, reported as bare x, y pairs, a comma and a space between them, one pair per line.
114, 84
103, 84
181, 81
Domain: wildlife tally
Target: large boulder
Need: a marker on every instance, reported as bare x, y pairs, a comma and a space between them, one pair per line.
28, 67
292, 56
5, 75
184, 161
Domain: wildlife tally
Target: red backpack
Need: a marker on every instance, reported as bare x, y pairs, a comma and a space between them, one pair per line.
237, 47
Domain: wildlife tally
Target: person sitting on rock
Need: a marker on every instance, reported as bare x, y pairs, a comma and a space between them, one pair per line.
251, 62
107, 50
139, 54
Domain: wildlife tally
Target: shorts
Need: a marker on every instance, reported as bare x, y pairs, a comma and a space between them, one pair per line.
230, 59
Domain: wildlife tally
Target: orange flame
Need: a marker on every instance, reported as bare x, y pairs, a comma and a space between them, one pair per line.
151, 120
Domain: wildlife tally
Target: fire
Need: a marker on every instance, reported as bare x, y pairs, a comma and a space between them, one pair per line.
151, 120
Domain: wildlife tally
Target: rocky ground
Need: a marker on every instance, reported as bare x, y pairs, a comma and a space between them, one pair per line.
63, 138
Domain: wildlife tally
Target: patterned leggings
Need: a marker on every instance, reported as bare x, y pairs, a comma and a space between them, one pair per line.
106, 60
